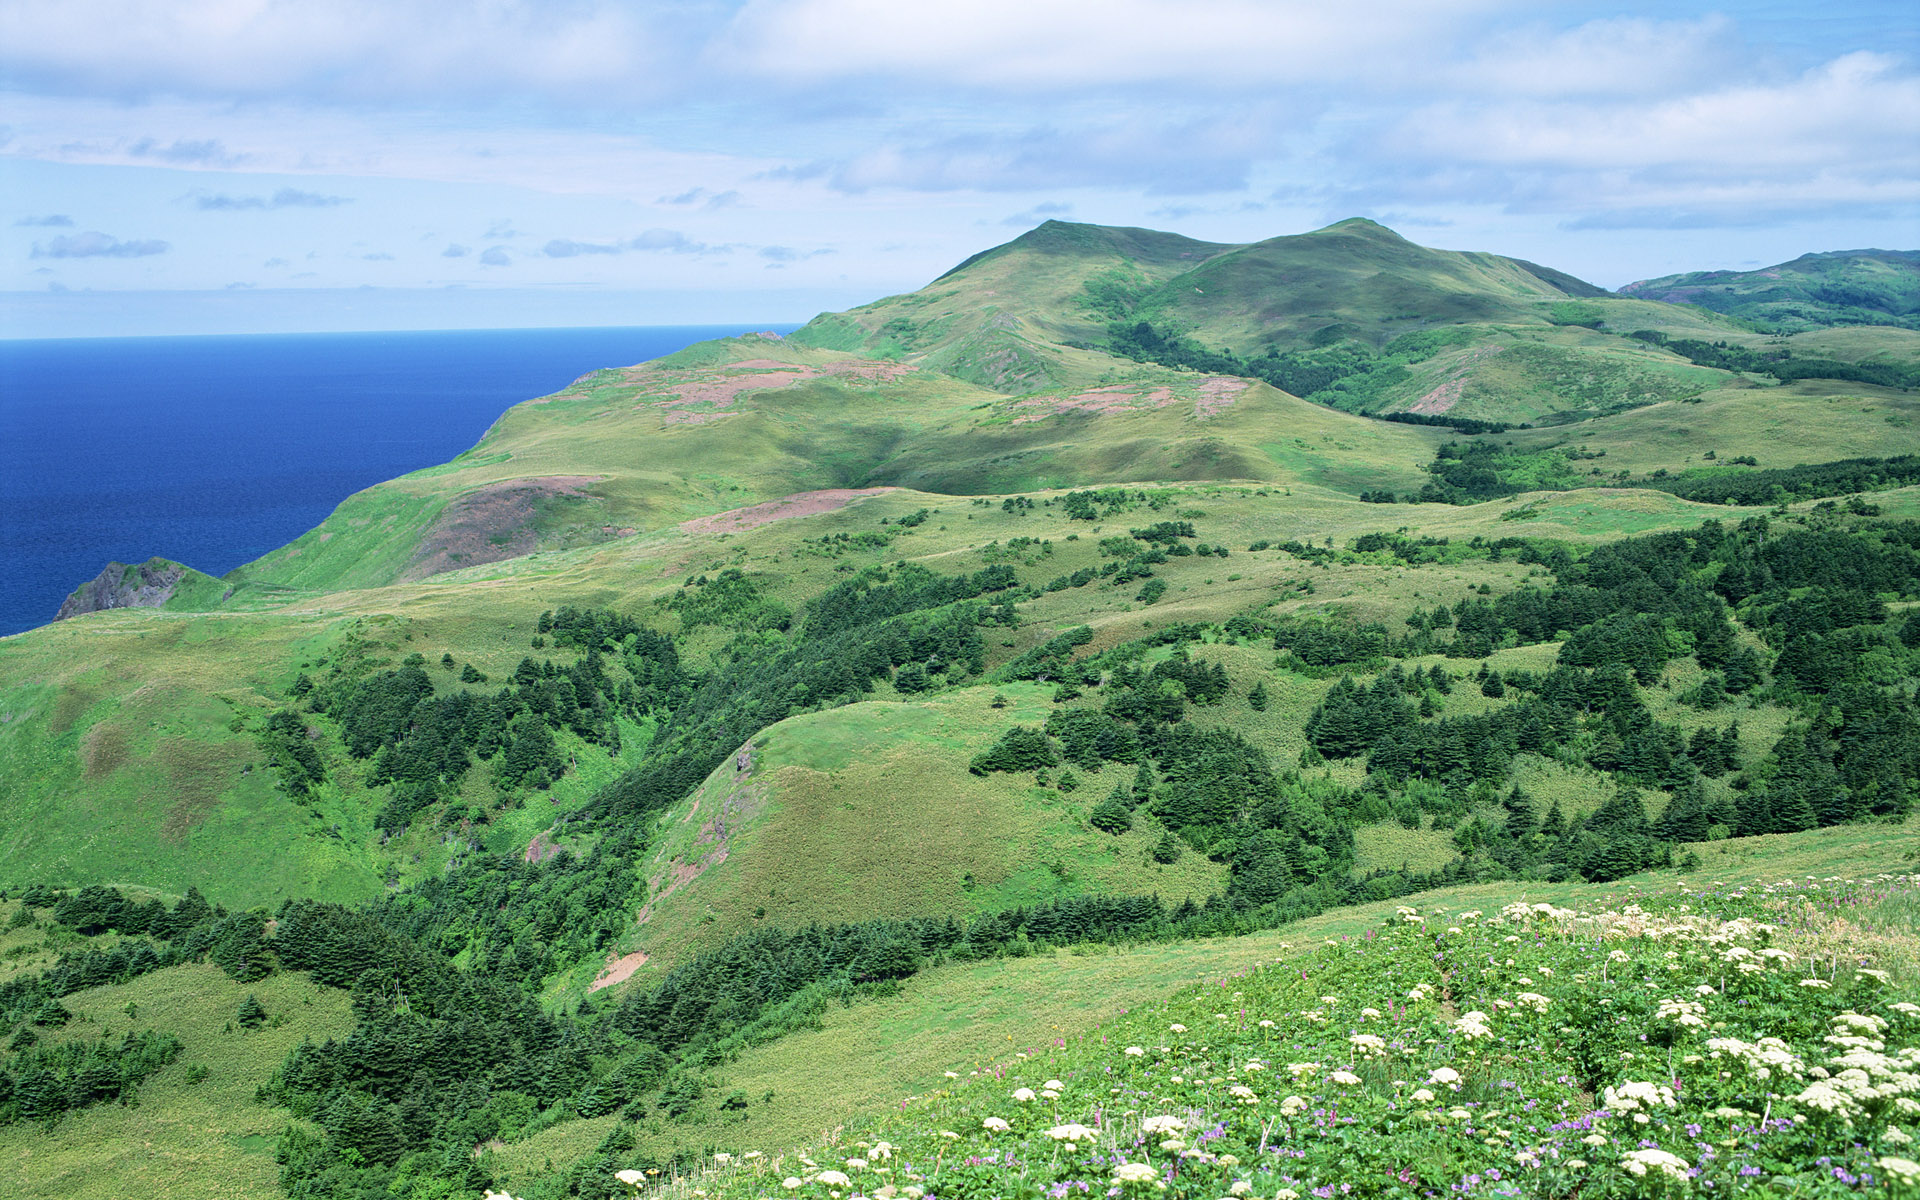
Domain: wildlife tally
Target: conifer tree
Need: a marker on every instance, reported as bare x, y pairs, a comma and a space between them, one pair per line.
252, 1013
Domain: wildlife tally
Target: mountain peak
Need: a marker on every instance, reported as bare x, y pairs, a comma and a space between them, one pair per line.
1078, 239
1362, 225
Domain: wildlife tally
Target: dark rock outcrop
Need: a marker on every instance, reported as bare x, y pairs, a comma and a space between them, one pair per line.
148, 585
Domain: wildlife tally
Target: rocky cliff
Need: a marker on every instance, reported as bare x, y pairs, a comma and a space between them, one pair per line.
148, 585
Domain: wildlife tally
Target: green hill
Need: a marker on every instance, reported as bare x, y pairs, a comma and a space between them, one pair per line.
1353, 280
565, 807
1020, 317
1834, 288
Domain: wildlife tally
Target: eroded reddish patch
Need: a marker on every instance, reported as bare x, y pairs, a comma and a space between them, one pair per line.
1448, 393
489, 524
1440, 399
1211, 395
740, 799
800, 504
702, 396
1216, 395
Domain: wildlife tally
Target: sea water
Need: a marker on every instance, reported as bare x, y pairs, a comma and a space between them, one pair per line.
212, 451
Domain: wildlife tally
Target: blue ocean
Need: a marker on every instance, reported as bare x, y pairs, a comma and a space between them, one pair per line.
214, 450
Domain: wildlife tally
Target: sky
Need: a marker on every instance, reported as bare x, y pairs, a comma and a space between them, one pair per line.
224, 166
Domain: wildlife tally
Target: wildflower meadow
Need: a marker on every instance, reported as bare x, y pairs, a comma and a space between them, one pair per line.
1687, 1041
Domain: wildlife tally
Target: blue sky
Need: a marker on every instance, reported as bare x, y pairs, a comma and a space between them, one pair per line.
254, 165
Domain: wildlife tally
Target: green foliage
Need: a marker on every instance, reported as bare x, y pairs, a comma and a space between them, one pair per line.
1114, 814
1022, 748
730, 600
1868, 287
1784, 485
252, 1013
1781, 364
44, 1083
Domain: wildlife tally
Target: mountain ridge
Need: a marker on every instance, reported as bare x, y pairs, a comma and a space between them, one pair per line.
1832, 287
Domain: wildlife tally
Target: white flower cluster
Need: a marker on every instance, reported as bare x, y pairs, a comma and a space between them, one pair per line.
1473, 1026
1857, 1031
1366, 1045
1638, 1099
1533, 1001
1687, 1014
1136, 1173
1523, 912
1658, 1163
1764, 1058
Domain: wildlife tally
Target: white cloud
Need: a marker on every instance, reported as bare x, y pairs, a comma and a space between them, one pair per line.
355, 50
94, 244
1144, 150
1860, 108
284, 198
1035, 215
668, 240
1059, 45
1608, 58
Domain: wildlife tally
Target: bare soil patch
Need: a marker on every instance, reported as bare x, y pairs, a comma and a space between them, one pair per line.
489, 524
1448, 394
1440, 399
618, 970
739, 800
800, 504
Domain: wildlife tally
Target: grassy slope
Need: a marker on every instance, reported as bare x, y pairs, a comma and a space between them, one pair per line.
211, 1139
1808, 421
182, 1139
814, 831
972, 1017
869, 811
118, 751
